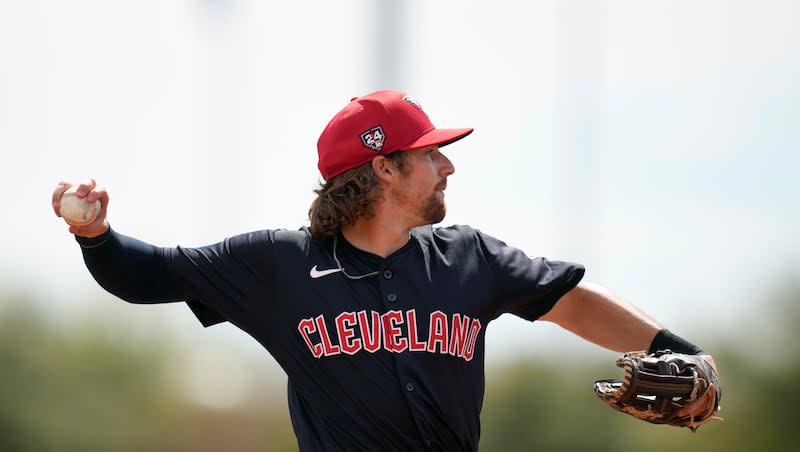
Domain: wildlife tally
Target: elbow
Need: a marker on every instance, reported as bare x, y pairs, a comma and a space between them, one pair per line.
133, 294
565, 309
572, 310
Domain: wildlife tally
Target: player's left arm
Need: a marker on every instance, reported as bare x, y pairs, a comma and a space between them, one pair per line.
598, 315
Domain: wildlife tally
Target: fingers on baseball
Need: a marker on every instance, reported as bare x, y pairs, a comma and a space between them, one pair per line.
88, 189
56, 197
85, 187
98, 193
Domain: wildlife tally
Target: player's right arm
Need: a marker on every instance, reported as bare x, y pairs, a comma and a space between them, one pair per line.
211, 279
133, 270
126, 267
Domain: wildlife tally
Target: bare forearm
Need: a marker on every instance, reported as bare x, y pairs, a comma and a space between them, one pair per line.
602, 317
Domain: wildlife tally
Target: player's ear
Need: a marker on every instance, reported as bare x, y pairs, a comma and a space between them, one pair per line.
383, 168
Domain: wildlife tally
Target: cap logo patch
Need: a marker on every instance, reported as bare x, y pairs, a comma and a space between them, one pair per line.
374, 138
414, 102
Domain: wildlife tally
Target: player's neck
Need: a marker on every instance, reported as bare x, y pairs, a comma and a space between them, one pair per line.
377, 236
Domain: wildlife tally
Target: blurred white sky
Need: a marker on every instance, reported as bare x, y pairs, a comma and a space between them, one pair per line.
655, 142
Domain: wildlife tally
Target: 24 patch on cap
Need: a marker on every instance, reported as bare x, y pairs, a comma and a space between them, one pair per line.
374, 138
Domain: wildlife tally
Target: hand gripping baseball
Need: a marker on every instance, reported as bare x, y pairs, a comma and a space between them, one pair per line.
83, 206
665, 388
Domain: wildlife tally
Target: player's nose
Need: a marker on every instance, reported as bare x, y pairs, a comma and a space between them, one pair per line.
447, 168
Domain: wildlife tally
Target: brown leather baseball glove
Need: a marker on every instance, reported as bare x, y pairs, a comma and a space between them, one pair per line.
665, 388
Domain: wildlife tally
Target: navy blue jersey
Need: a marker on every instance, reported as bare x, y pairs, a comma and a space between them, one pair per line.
392, 361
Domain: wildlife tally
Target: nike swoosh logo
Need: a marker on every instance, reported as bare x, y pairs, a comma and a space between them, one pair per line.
314, 273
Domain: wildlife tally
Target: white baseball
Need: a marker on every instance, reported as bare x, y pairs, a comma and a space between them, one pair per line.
77, 211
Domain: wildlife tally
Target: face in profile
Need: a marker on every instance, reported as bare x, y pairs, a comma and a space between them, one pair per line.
422, 185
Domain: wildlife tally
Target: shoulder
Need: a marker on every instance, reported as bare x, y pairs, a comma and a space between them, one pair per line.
467, 239
456, 231
446, 233
460, 234
458, 239
272, 235
274, 239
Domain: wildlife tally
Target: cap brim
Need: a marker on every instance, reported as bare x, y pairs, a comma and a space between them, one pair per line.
439, 137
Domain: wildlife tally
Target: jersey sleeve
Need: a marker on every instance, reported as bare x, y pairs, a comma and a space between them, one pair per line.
222, 278
131, 269
210, 279
527, 287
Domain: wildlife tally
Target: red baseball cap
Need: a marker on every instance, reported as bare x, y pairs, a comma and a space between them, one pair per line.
376, 124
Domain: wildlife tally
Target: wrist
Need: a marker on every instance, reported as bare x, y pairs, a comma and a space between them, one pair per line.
665, 339
94, 241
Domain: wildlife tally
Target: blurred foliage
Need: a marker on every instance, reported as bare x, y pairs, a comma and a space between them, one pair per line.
551, 406
85, 389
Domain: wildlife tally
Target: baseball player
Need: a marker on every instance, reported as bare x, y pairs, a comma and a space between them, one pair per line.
377, 317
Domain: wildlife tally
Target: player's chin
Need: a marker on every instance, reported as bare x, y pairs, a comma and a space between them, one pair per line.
434, 210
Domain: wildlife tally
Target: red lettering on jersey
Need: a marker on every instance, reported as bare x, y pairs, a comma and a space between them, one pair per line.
437, 335
306, 327
371, 337
391, 332
459, 333
456, 335
474, 329
330, 348
414, 344
344, 328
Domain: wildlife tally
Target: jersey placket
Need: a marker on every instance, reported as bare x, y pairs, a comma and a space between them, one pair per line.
390, 286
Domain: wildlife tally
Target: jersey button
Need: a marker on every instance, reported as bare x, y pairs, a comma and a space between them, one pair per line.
410, 387
387, 274
392, 297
